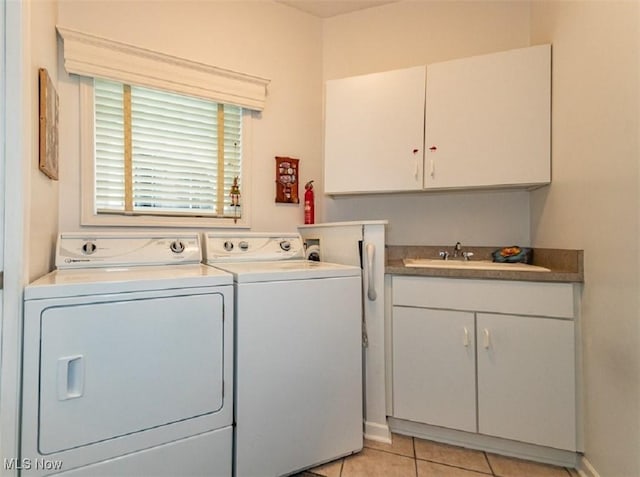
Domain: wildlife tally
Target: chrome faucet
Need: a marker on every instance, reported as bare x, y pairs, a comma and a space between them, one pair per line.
457, 253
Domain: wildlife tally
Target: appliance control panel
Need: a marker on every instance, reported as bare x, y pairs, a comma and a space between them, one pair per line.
87, 250
254, 246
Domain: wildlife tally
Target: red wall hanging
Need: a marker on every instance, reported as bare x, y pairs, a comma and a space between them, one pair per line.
287, 175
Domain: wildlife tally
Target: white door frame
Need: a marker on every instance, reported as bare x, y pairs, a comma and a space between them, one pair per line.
13, 187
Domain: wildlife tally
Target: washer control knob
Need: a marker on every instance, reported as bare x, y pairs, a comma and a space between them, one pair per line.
244, 245
88, 248
228, 246
285, 245
177, 246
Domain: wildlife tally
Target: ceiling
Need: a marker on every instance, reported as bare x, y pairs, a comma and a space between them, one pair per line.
330, 8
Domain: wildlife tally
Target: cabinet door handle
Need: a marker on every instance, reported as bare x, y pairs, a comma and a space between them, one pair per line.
432, 168
486, 341
466, 341
416, 169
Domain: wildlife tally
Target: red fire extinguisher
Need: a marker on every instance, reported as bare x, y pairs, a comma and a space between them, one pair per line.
309, 212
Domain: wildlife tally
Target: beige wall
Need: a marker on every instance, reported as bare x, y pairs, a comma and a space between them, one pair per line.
260, 38
593, 204
412, 33
42, 200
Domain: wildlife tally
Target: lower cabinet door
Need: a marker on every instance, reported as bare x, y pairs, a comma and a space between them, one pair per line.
526, 379
434, 367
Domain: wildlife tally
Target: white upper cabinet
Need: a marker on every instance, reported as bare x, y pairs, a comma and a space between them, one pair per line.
488, 125
488, 120
374, 132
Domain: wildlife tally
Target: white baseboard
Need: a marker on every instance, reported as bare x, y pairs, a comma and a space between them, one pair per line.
377, 432
495, 445
585, 469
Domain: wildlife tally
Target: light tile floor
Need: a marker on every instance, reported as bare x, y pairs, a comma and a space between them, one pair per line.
413, 457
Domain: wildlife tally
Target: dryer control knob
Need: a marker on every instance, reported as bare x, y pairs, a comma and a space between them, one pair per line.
88, 248
244, 245
285, 245
177, 246
228, 246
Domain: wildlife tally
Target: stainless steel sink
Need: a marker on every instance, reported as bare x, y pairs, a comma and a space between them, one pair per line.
471, 265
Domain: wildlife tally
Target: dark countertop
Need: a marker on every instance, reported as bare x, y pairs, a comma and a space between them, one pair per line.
565, 265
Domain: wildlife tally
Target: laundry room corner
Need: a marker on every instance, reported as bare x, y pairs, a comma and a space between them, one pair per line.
30, 198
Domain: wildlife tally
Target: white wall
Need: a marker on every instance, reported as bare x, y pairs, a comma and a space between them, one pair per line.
260, 38
593, 204
412, 33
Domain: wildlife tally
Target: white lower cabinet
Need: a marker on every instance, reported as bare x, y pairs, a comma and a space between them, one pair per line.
434, 370
526, 379
469, 365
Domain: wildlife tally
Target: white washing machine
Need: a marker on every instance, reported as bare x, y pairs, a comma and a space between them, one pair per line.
298, 354
128, 360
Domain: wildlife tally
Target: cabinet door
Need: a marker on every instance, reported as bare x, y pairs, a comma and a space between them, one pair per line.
526, 379
488, 120
374, 132
434, 367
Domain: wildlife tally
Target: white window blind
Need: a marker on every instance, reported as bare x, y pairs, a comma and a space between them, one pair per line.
164, 153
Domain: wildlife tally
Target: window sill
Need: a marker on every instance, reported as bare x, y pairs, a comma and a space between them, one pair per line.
114, 220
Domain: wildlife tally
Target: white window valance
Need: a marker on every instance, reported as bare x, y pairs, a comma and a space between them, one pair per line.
93, 56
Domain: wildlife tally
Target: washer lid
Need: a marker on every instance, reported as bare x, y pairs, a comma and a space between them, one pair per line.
248, 272
94, 281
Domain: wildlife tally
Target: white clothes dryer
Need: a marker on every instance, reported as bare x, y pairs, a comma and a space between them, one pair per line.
128, 360
298, 399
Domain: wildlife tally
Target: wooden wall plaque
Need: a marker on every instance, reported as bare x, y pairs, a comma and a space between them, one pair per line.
287, 178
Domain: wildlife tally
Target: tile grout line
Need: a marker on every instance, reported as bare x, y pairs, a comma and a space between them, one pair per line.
455, 466
486, 457
390, 452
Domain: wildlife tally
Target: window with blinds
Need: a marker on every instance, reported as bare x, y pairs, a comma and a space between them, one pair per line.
161, 153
